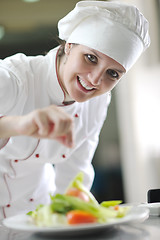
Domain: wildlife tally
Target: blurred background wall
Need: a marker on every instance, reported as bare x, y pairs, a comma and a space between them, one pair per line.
138, 100
127, 160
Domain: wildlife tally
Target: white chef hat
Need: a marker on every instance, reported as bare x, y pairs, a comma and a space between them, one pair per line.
115, 29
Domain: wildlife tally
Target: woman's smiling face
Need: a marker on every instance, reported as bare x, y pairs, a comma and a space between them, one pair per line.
86, 73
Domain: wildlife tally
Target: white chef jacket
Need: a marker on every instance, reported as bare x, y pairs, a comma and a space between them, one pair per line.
30, 168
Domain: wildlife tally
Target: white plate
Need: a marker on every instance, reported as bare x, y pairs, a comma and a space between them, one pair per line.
21, 223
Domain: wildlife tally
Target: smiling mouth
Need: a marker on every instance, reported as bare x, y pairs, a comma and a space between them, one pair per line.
84, 85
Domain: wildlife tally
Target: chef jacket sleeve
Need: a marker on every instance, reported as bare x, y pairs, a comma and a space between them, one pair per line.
8, 93
81, 158
12, 94
8, 90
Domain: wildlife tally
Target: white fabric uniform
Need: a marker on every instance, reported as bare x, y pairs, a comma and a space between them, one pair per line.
27, 174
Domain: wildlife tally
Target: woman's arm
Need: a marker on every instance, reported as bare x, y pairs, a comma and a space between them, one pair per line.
51, 122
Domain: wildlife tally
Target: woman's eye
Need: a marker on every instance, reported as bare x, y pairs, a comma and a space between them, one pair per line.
91, 58
113, 73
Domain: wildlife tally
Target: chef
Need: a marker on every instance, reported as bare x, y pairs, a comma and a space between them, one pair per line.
52, 107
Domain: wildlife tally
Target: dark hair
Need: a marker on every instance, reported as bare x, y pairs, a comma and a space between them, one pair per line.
62, 43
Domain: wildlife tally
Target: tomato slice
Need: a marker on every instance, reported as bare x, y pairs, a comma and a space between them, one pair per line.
79, 217
77, 193
116, 207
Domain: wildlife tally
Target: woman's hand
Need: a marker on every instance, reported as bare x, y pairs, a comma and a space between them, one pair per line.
51, 122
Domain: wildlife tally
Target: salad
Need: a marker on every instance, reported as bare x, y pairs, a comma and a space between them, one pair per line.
76, 206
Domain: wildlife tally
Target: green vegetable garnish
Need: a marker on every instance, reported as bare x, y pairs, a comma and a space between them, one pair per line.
110, 203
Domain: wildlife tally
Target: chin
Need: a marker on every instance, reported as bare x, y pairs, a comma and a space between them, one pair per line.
79, 96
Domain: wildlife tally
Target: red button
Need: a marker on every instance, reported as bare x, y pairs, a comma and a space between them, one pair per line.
63, 155
37, 155
76, 115
8, 205
15, 160
31, 199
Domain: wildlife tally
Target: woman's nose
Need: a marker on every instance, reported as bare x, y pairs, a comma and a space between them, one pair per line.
95, 78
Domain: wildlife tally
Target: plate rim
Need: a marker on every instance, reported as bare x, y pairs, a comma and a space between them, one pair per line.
136, 214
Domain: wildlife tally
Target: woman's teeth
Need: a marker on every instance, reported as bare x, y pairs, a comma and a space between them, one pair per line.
84, 84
